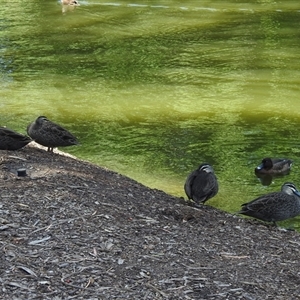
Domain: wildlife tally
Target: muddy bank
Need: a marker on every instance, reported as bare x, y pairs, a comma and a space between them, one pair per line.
73, 230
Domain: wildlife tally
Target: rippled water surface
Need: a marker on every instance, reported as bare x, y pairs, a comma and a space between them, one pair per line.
154, 88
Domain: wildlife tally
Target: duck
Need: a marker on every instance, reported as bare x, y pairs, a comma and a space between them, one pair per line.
201, 184
70, 2
274, 166
50, 134
12, 140
275, 206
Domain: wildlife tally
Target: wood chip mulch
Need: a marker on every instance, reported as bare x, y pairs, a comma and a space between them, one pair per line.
73, 230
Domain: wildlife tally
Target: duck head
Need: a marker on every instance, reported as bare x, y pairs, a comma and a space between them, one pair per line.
266, 164
205, 167
290, 189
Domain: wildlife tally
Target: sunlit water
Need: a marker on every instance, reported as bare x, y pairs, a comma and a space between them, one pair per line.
152, 89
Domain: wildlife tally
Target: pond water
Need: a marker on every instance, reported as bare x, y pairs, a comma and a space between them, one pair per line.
154, 88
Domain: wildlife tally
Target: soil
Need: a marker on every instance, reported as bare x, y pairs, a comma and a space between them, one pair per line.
73, 230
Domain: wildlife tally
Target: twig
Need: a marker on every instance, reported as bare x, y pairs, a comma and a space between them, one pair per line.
17, 157
54, 224
197, 268
91, 281
39, 241
21, 286
156, 289
27, 270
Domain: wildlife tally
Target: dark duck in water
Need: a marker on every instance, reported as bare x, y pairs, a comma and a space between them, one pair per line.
276, 206
11, 140
201, 184
50, 134
275, 166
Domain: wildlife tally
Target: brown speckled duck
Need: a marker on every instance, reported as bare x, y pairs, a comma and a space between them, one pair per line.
201, 184
50, 134
11, 140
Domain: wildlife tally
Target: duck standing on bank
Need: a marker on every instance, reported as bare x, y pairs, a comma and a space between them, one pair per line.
50, 134
11, 140
201, 184
276, 206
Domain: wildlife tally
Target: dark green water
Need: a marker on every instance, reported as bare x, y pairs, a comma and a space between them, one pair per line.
154, 89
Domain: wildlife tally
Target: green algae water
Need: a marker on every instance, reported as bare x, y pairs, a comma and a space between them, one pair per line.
154, 88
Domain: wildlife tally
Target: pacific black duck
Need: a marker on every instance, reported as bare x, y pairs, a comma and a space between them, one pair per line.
276, 206
11, 140
50, 134
275, 166
201, 184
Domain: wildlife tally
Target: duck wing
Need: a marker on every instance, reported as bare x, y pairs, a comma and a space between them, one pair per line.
189, 184
8, 133
11, 140
204, 187
58, 135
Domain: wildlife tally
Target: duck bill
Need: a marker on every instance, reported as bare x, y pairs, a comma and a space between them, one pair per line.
259, 167
296, 193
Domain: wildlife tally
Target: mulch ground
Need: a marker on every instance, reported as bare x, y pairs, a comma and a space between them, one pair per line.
73, 230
